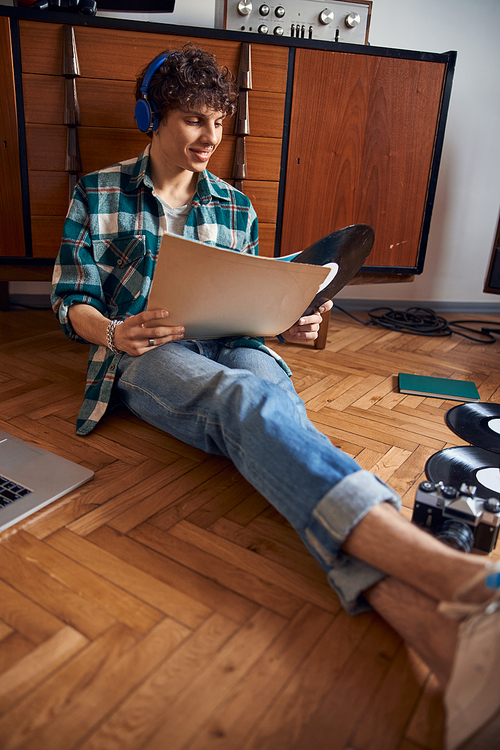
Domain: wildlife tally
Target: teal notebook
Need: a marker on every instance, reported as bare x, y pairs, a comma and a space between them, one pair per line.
446, 388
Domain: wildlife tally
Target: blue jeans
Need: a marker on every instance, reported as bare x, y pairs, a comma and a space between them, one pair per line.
240, 403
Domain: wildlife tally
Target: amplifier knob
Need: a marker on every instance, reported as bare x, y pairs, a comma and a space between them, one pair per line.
326, 16
278, 31
279, 12
352, 20
264, 10
263, 29
244, 7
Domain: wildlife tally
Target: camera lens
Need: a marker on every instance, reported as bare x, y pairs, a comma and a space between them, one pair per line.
457, 535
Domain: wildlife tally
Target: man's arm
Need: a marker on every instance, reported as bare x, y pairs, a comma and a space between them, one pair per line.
131, 336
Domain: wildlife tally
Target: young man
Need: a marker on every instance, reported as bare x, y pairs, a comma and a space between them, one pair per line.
235, 397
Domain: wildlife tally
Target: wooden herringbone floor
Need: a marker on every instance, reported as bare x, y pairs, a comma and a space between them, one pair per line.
166, 605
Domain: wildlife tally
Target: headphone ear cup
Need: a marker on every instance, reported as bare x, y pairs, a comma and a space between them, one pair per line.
144, 116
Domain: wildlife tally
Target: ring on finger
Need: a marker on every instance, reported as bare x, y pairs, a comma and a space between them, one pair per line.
151, 342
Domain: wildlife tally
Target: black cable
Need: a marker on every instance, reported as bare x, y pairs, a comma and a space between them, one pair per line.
340, 309
487, 332
418, 321
421, 321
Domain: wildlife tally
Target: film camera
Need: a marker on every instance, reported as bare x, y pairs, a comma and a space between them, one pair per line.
457, 517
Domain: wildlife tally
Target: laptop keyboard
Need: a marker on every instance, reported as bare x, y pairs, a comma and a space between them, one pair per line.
10, 491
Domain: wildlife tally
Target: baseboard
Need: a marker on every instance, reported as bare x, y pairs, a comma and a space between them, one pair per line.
440, 307
32, 301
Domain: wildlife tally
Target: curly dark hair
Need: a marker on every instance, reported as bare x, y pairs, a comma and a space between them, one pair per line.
190, 78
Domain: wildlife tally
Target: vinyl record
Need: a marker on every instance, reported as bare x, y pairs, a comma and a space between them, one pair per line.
348, 248
478, 423
470, 464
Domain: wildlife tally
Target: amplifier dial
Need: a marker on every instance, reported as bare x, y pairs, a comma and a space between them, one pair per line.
279, 12
352, 20
278, 31
264, 10
263, 29
326, 16
244, 7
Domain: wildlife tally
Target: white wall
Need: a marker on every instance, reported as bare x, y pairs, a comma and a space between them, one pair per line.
467, 203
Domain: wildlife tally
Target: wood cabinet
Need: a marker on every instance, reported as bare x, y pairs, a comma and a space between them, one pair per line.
362, 151
339, 134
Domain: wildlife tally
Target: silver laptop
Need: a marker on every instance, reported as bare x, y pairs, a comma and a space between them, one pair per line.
31, 477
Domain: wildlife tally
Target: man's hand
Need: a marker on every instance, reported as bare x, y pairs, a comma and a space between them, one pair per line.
133, 337
306, 329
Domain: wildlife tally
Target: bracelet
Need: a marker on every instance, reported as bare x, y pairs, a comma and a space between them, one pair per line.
110, 335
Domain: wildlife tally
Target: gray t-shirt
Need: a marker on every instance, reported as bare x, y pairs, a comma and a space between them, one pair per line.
176, 217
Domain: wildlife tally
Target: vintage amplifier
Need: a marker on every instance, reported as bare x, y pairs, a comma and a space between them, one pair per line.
327, 20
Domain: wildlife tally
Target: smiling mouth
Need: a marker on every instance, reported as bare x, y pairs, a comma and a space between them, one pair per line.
202, 154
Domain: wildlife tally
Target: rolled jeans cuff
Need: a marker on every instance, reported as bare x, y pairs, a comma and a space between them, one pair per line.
332, 520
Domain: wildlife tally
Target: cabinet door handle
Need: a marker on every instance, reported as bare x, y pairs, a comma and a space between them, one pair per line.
70, 65
71, 106
244, 79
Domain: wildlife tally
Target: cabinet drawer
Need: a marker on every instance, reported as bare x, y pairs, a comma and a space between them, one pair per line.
46, 234
49, 193
264, 197
101, 147
120, 54
112, 103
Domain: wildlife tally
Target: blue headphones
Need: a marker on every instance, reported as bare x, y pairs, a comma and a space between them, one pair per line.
146, 115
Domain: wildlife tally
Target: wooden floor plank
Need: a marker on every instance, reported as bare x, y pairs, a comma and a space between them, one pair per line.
340, 713
27, 617
166, 599
30, 671
299, 585
158, 564
118, 602
234, 719
67, 604
181, 720
166, 604
177, 483
106, 689
427, 725
13, 648
144, 484
30, 723
303, 694
142, 712
387, 717
76, 510
271, 545
114, 488
229, 575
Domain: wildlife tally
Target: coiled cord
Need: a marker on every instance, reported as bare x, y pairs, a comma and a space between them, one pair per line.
421, 321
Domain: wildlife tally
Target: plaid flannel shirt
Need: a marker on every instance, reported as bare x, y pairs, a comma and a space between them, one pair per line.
111, 238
